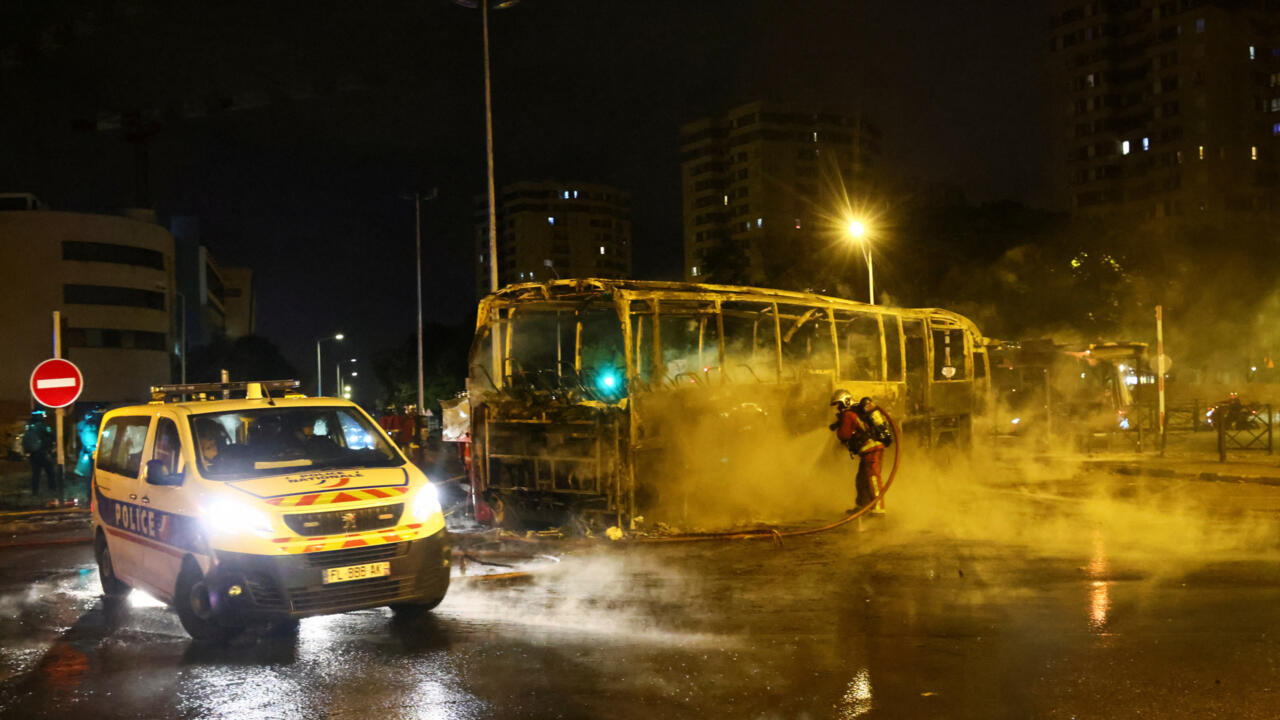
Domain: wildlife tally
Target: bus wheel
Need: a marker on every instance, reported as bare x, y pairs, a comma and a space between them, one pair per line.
112, 586
191, 600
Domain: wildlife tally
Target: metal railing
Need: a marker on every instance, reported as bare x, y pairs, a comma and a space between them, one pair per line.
1250, 427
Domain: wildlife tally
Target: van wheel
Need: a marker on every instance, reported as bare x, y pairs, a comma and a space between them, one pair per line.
413, 611
195, 612
112, 586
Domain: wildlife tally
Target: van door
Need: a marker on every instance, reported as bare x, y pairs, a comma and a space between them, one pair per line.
167, 518
119, 461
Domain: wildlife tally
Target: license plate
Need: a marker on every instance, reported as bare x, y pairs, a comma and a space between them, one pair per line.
356, 572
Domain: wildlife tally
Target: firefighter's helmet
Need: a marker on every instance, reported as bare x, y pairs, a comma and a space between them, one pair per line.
841, 398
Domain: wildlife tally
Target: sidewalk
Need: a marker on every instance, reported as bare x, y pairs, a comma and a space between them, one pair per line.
1192, 456
23, 515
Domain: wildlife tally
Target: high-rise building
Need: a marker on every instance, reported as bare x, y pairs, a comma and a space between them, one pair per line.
551, 229
762, 180
1169, 111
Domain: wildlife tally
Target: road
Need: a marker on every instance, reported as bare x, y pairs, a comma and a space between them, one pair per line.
984, 594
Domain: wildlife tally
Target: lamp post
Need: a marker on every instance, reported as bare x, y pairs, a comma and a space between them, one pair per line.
484, 6
858, 233
319, 371
182, 302
417, 224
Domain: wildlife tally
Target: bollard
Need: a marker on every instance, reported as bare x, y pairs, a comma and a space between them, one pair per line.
1222, 440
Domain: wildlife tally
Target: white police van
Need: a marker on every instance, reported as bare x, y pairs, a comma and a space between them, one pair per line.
266, 508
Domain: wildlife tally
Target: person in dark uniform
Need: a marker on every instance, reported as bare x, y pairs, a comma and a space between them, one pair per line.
37, 443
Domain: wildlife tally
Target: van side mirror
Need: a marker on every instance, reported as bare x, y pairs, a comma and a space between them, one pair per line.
158, 474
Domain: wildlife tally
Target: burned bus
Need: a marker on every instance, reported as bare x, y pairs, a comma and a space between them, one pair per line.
619, 399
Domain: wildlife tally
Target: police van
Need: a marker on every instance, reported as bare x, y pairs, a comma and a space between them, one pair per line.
262, 509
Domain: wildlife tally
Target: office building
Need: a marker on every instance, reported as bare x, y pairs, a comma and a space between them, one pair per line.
766, 180
1168, 115
554, 229
112, 279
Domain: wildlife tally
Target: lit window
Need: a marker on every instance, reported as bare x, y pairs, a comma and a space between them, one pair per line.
1199, 25
759, 222
1146, 144
1179, 157
695, 271
1275, 104
575, 194
601, 249
726, 199
798, 223
815, 136
1124, 147
1200, 151
1253, 53
565, 195
551, 220
1275, 129
1253, 153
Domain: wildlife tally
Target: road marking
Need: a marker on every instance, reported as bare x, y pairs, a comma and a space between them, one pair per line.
55, 383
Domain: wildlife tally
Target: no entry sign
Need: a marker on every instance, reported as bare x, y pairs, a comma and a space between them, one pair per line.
56, 383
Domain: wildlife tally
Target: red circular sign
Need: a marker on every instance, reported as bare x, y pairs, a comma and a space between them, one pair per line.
56, 383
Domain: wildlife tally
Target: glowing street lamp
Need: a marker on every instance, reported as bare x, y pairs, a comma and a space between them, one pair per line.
858, 231
319, 371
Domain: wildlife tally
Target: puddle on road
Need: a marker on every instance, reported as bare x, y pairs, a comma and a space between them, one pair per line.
604, 595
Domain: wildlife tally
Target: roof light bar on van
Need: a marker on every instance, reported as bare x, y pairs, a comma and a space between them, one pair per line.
177, 393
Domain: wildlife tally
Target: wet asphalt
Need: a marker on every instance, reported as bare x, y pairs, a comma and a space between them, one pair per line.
1048, 596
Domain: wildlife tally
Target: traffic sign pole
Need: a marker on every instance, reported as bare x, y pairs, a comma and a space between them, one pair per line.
60, 472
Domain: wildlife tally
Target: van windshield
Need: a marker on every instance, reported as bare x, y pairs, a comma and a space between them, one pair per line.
275, 441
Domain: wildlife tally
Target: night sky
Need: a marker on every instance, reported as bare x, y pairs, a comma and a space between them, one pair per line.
291, 129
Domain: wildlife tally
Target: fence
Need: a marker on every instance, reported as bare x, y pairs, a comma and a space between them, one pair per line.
1244, 427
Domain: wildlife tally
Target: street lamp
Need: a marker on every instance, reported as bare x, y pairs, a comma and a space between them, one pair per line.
319, 371
417, 223
857, 231
484, 6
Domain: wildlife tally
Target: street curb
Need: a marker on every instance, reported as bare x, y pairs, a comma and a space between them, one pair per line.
50, 542
1126, 469
5, 514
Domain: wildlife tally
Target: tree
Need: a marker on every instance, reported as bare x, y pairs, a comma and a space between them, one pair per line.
444, 367
726, 262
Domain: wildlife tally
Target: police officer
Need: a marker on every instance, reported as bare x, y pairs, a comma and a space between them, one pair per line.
863, 428
37, 443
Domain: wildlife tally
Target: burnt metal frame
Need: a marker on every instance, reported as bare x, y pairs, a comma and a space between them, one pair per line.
573, 293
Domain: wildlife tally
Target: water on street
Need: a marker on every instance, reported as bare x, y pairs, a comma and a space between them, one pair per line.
1041, 592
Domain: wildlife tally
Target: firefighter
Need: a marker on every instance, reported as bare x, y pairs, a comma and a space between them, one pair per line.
863, 428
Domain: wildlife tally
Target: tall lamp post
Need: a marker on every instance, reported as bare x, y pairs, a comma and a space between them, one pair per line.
182, 302
417, 224
319, 370
858, 233
484, 6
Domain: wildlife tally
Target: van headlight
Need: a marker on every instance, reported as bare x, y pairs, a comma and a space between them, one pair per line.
225, 516
426, 503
